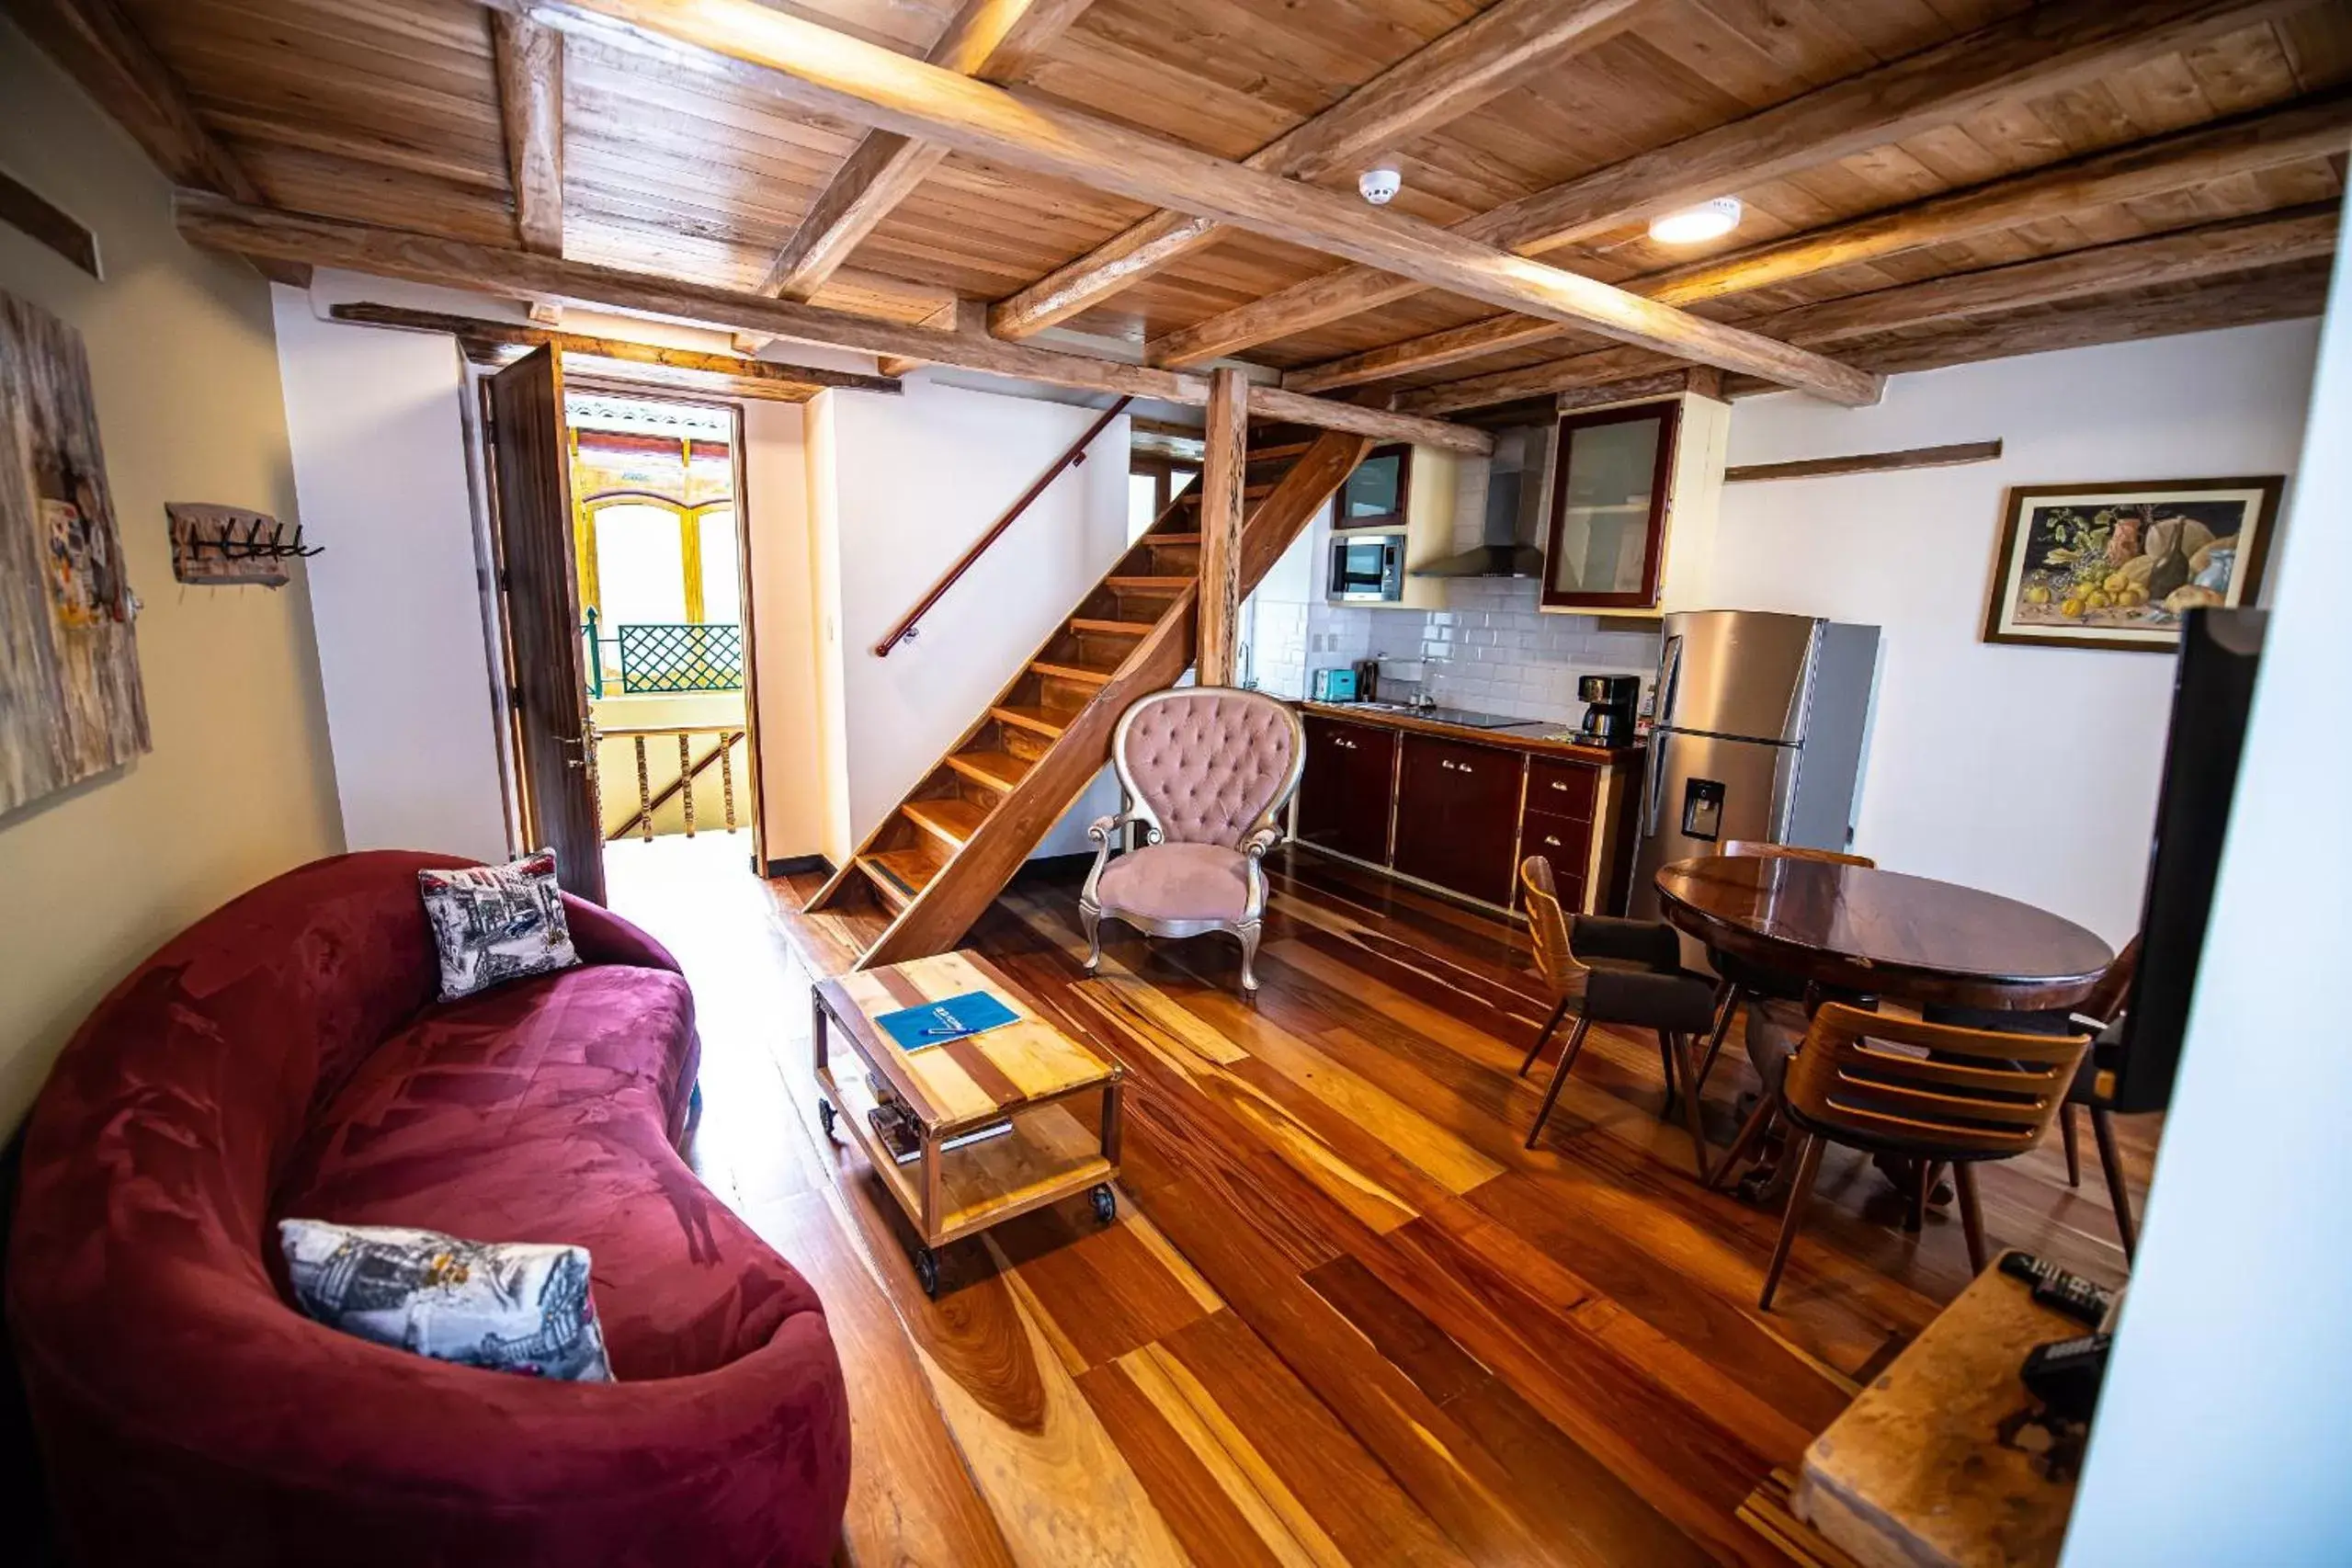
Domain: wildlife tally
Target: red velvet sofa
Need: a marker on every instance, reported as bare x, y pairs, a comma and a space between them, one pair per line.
286, 1056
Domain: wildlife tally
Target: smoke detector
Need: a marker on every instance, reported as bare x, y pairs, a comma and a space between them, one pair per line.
1380, 184
1707, 220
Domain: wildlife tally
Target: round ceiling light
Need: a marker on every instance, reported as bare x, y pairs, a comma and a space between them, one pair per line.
1707, 220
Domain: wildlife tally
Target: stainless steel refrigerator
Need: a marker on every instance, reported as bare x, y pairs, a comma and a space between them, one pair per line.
1760, 725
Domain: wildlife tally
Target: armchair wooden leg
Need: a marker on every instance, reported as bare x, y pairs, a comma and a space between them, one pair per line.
2071, 1136
1972, 1217
1558, 1076
2111, 1166
1091, 919
1729, 1009
1679, 1044
1751, 1134
1248, 933
1801, 1190
1543, 1036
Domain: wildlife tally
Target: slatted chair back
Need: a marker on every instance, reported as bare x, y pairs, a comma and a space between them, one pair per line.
1971, 1095
2106, 1001
1762, 849
1546, 923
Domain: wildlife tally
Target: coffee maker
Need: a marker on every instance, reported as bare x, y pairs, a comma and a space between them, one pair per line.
1609, 713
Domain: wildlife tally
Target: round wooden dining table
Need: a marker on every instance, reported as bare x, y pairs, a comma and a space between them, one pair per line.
1856, 930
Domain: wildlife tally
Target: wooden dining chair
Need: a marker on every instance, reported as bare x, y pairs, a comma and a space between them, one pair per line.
1739, 982
1628, 972
1935, 1093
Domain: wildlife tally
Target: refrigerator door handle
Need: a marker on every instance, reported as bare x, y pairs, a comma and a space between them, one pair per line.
1669, 676
1653, 786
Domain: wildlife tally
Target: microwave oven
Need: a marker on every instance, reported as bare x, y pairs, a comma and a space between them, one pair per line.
1368, 568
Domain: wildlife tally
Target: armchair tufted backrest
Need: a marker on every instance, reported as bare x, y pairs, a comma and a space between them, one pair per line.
1209, 764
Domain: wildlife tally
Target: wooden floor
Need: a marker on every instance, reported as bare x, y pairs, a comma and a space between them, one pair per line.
1344, 1316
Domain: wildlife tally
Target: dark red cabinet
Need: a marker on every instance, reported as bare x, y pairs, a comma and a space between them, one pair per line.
1348, 787
1458, 815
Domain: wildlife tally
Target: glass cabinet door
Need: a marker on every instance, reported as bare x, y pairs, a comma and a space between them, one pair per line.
1611, 475
1373, 496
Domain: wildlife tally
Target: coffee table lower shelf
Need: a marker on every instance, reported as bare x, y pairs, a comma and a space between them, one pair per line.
1047, 1156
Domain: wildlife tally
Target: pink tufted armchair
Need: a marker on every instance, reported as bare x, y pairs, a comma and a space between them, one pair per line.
1204, 771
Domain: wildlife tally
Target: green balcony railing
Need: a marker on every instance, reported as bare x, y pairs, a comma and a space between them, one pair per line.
644, 658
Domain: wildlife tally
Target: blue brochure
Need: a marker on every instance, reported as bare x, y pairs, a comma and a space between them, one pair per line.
955, 1017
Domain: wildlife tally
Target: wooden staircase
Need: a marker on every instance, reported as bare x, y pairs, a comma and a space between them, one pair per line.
945, 851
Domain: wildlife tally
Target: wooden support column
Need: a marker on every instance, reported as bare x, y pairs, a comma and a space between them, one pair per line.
1221, 477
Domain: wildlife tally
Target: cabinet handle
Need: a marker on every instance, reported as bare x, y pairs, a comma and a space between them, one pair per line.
1465, 768
1558, 785
1553, 842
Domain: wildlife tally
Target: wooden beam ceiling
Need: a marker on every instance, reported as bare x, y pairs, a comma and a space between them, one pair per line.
1447, 79
218, 224
834, 73
95, 42
2268, 139
995, 40
2211, 250
530, 63
2047, 50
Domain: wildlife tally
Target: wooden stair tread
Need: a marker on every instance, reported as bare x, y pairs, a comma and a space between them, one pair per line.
1042, 720
951, 820
996, 770
900, 874
1147, 584
1111, 628
1078, 673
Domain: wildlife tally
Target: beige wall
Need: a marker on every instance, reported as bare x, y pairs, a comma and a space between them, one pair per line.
784, 628
239, 785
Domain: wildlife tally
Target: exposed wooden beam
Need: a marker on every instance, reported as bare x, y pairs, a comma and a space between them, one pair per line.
2241, 245
238, 230
2043, 50
1447, 79
1703, 380
1224, 464
27, 211
529, 61
96, 43
835, 74
1950, 455
996, 40
2316, 126
777, 377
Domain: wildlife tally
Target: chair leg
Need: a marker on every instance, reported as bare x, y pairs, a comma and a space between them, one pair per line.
1560, 1076
1679, 1045
1799, 1191
1248, 933
2111, 1166
1730, 1008
1091, 919
1927, 1172
1972, 1217
1666, 1068
1543, 1036
2071, 1136
1751, 1134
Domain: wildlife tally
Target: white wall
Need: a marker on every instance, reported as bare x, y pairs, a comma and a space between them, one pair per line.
784, 631
2225, 1432
380, 464
914, 481
2028, 772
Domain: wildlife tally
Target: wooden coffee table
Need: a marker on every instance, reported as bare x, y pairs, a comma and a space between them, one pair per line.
1014, 1077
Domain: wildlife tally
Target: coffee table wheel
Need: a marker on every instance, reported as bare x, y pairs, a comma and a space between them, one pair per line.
926, 1271
827, 1116
1105, 1202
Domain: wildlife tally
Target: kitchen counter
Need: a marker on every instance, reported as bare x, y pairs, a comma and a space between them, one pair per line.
1528, 736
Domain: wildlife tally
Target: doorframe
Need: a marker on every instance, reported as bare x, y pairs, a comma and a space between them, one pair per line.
511, 769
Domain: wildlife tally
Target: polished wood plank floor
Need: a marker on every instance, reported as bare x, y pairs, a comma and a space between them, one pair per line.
1343, 1316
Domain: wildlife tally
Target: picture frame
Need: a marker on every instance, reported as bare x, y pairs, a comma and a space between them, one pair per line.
2113, 567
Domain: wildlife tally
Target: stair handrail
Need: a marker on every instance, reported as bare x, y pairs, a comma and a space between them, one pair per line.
904, 630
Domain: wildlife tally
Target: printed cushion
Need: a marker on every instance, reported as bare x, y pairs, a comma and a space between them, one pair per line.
494, 923
511, 1306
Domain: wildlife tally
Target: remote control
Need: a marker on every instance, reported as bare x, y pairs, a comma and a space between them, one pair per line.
2066, 1374
2058, 1290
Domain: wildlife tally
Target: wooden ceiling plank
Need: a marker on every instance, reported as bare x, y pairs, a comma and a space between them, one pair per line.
216, 223
529, 59
2041, 52
996, 40
840, 74
2294, 134
2216, 249
1456, 72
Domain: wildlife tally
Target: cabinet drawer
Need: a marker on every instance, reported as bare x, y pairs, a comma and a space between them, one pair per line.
1563, 789
1563, 841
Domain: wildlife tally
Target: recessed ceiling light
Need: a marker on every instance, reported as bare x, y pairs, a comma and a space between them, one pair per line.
1707, 220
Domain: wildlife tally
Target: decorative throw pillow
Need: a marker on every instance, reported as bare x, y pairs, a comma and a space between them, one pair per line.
511, 1306
494, 923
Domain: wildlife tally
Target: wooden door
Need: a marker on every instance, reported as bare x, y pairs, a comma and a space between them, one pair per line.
1458, 816
530, 482
1346, 793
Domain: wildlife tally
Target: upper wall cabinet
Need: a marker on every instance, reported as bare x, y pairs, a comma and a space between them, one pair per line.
1403, 493
1376, 494
1624, 480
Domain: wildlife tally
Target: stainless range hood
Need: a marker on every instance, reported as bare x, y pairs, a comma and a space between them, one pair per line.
1512, 543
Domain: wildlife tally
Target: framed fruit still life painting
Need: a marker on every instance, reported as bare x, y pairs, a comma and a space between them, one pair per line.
2117, 565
